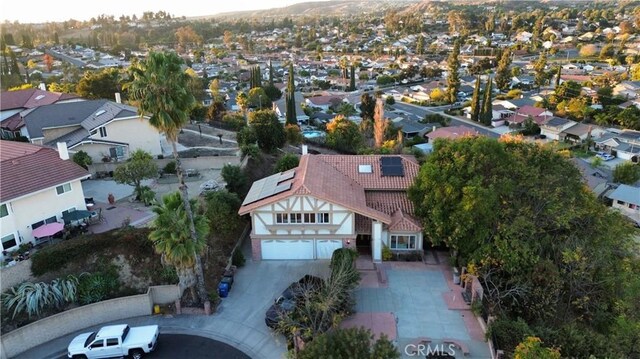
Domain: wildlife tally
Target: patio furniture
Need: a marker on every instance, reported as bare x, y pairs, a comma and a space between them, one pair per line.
75, 217
48, 230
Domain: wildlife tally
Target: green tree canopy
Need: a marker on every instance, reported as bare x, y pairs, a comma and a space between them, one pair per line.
268, 129
138, 167
627, 173
97, 85
344, 135
221, 209
286, 162
349, 343
236, 180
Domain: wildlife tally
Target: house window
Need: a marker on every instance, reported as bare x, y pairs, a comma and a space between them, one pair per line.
103, 132
63, 188
620, 202
323, 217
72, 209
51, 219
9, 242
309, 218
282, 218
403, 242
295, 218
4, 211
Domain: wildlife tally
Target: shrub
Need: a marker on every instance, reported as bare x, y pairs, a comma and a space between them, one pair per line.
98, 286
238, 259
33, 298
147, 195
169, 275
170, 168
286, 162
390, 100
387, 254
508, 333
82, 159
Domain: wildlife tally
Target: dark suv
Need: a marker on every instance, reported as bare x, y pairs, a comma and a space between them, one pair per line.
286, 302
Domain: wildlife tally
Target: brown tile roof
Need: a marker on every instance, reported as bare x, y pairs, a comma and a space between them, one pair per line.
452, 132
317, 178
13, 123
27, 168
398, 205
30, 98
401, 222
348, 165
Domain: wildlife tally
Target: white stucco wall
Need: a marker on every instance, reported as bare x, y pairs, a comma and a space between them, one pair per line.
338, 216
25, 211
139, 134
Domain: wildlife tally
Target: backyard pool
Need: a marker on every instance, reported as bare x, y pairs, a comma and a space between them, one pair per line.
313, 134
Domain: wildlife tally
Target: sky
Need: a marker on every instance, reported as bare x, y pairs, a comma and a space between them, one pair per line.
36, 11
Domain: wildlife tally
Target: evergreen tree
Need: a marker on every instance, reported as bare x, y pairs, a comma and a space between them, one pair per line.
475, 101
352, 81
290, 100
558, 75
453, 79
270, 73
503, 74
539, 66
420, 45
487, 107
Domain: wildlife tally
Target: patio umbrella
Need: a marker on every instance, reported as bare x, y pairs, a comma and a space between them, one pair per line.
48, 229
76, 215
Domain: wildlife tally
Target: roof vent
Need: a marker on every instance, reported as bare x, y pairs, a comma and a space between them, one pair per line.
365, 169
39, 97
100, 113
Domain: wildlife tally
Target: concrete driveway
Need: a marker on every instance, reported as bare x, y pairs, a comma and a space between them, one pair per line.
239, 320
426, 305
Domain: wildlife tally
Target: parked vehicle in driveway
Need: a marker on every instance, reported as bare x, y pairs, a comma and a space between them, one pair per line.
277, 310
286, 302
605, 156
115, 341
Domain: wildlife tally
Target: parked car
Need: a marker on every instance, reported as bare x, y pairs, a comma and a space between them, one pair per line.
275, 312
605, 156
540, 137
115, 341
305, 284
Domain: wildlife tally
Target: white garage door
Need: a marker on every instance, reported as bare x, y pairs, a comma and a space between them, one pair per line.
287, 249
325, 247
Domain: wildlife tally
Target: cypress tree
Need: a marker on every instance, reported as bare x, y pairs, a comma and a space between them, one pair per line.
270, 73
290, 102
503, 78
558, 74
352, 83
453, 79
475, 101
487, 107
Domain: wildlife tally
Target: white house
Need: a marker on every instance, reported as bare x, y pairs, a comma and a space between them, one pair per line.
554, 128
627, 200
38, 185
334, 201
104, 129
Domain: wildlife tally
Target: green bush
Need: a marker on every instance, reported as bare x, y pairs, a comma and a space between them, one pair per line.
170, 168
387, 254
508, 333
82, 159
169, 275
238, 259
147, 195
95, 287
341, 253
34, 298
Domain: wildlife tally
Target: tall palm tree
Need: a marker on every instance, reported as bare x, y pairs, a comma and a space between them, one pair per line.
171, 237
160, 87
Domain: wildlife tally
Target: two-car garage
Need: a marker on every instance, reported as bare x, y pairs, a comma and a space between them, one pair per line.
299, 248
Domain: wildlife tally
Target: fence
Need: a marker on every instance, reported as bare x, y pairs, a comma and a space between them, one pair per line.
67, 322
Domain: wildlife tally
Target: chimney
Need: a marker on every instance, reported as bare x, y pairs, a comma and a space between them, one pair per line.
42, 86
433, 129
305, 149
63, 151
118, 99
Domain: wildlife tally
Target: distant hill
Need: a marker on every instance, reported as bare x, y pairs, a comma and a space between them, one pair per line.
316, 8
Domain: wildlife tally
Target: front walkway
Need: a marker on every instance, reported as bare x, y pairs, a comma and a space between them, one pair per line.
425, 304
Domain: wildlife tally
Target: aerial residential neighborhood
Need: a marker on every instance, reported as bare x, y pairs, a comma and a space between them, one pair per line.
330, 179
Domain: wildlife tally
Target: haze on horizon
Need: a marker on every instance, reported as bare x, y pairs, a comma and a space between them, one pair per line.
40, 11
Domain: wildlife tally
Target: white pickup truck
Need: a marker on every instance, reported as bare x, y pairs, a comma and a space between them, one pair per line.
114, 341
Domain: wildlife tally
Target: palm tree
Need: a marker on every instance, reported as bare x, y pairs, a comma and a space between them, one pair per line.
159, 87
171, 237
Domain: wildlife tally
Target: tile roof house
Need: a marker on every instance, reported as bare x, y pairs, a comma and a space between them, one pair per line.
539, 115
38, 185
624, 144
334, 201
554, 128
15, 104
451, 132
101, 128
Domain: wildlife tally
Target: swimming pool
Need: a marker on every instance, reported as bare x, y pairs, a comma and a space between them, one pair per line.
313, 134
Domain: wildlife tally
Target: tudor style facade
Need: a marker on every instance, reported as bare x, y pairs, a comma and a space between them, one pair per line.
331, 202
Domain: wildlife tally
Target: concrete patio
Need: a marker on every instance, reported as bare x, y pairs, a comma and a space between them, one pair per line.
425, 305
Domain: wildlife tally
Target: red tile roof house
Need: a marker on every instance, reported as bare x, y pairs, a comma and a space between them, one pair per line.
452, 133
334, 201
539, 115
37, 186
15, 104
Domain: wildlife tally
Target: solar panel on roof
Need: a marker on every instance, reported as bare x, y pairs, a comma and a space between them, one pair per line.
287, 175
267, 187
392, 166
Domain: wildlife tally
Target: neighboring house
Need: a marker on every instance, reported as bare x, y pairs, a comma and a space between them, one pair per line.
15, 104
412, 128
334, 201
627, 89
38, 185
627, 199
539, 115
624, 145
554, 128
104, 129
595, 179
578, 133
452, 132
280, 108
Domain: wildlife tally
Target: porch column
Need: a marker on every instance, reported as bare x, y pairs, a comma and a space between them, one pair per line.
376, 241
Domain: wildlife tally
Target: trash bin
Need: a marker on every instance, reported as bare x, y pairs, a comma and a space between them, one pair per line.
223, 289
456, 276
228, 280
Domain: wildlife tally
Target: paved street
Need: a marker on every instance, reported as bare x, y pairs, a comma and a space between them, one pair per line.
419, 112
